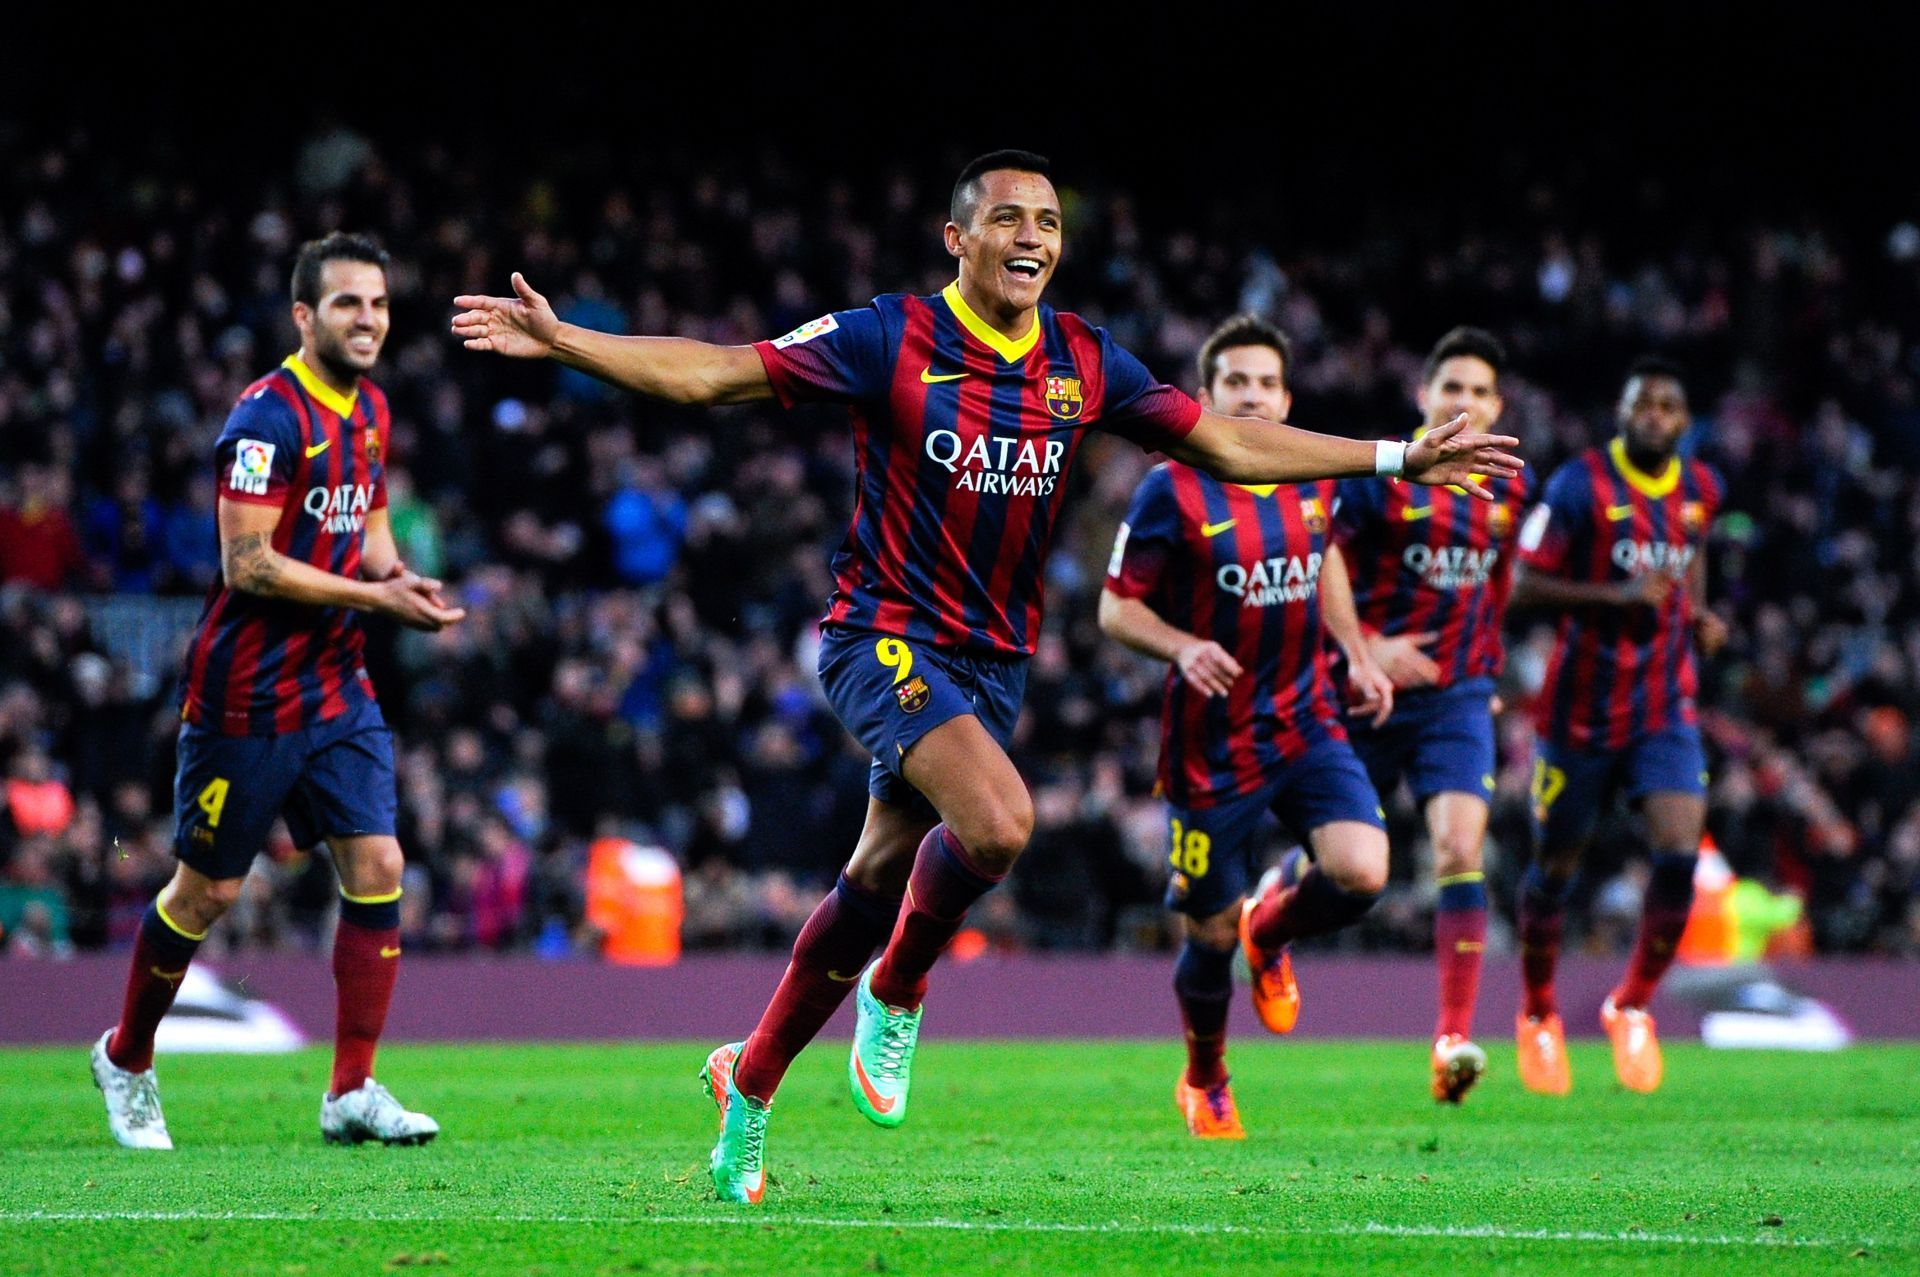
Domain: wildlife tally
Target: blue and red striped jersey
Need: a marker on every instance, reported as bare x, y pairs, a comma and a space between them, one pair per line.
963, 440
1240, 566
261, 666
1433, 560
1619, 672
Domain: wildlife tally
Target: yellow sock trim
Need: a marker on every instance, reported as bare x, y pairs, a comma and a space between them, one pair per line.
387, 899
175, 927
1475, 876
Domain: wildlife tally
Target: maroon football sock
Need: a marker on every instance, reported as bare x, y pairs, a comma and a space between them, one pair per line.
1203, 981
1314, 906
832, 950
944, 885
160, 957
1459, 941
1663, 916
366, 962
1541, 922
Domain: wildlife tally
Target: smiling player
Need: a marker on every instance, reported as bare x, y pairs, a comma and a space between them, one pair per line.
968, 408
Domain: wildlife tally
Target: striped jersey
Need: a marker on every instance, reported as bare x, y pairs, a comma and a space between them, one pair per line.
963, 439
1241, 566
1433, 560
263, 666
1617, 673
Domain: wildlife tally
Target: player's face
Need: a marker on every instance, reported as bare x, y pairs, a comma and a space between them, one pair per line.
1653, 416
1010, 250
1247, 382
1464, 383
349, 325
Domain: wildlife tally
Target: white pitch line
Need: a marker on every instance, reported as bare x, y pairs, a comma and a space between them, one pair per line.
1476, 1232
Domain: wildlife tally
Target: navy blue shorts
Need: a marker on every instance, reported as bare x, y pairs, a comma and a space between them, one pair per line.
889, 692
1572, 787
1439, 739
333, 778
1213, 847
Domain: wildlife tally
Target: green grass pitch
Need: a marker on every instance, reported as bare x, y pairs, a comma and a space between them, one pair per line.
1018, 1158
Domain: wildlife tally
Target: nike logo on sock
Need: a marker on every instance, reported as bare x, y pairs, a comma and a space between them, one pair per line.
837, 978
392, 951
171, 977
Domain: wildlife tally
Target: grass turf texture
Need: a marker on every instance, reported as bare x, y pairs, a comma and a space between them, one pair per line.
1018, 1157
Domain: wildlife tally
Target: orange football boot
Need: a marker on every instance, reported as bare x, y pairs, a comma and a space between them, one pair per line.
1209, 1110
1457, 1065
1636, 1048
1543, 1055
1276, 994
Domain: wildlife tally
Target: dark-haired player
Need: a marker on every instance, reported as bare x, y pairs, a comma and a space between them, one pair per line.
968, 408
278, 715
1236, 587
1617, 548
1431, 571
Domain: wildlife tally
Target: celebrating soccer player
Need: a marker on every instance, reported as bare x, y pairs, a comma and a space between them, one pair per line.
1616, 548
1228, 583
968, 408
1430, 577
279, 717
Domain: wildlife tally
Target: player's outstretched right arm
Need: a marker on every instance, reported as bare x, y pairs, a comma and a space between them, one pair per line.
251, 565
675, 369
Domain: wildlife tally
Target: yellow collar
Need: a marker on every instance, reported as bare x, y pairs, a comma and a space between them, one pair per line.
1013, 350
1652, 485
1259, 489
330, 399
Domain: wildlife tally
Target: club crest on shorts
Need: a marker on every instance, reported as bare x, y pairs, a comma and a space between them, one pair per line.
913, 695
1063, 397
1180, 886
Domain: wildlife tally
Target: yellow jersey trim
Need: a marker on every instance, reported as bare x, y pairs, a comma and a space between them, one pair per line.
1259, 489
330, 399
1011, 349
175, 927
1651, 485
386, 899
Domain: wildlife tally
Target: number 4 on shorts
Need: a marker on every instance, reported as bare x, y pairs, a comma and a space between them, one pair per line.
213, 800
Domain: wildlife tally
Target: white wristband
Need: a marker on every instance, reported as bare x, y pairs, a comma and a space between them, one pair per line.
1389, 458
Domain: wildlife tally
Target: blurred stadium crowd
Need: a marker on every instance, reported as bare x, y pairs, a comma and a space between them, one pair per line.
643, 582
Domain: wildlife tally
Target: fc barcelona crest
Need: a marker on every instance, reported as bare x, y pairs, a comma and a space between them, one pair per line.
1063, 397
1693, 515
1313, 515
1499, 522
914, 695
373, 446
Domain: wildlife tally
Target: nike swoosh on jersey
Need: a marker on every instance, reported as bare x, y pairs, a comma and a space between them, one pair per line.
1215, 529
1619, 512
929, 377
319, 448
1412, 512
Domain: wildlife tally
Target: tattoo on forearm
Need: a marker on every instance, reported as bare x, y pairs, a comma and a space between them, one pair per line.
251, 563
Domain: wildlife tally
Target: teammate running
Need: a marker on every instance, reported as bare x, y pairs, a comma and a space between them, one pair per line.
1229, 584
279, 716
1431, 572
1616, 549
968, 407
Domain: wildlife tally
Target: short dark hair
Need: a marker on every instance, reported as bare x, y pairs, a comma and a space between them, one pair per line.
966, 187
1655, 366
339, 246
1244, 330
1466, 341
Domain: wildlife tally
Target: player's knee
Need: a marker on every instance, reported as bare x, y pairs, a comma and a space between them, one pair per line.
1362, 872
198, 902
1455, 854
997, 838
1221, 932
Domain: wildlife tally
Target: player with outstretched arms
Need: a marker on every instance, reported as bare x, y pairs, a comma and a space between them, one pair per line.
1617, 548
279, 717
968, 408
1237, 587
1431, 570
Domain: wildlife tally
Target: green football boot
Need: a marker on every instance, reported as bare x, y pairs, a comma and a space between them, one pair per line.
881, 1067
739, 1157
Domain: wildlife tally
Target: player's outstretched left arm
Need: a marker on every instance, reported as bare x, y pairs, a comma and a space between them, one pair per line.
676, 369
1245, 450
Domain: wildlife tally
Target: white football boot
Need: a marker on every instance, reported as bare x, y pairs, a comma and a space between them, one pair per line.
371, 1113
133, 1101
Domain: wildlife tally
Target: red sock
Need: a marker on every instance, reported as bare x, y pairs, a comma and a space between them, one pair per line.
1203, 981
1663, 916
160, 957
1314, 906
366, 961
1459, 940
832, 950
944, 885
1541, 922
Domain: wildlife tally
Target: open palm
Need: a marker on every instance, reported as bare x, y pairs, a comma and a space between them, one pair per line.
520, 327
